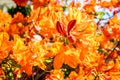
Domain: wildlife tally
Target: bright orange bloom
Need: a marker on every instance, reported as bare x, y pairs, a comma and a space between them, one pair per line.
73, 76
39, 3
20, 25
5, 45
28, 56
5, 20
55, 75
89, 8
93, 55
111, 3
112, 30
16, 26
21, 2
69, 57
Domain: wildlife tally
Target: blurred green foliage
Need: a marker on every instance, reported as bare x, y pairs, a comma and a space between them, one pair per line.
25, 10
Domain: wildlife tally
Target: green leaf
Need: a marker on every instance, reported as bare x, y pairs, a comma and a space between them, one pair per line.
48, 60
12, 62
96, 76
102, 50
67, 69
40, 74
25, 10
66, 41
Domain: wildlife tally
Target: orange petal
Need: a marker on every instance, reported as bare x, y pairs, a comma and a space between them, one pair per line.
50, 54
58, 61
71, 60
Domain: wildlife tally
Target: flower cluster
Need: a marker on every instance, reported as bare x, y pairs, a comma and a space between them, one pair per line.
51, 45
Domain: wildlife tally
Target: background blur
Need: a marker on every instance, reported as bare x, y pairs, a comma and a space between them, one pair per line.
4, 4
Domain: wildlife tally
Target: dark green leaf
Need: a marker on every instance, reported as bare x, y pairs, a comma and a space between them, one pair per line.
67, 69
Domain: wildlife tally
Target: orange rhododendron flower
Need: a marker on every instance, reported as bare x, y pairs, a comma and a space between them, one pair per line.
21, 2
5, 45
59, 60
91, 54
39, 3
28, 56
5, 20
89, 8
20, 25
73, 76
55, 75
109, 4
112, 30
69, 57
